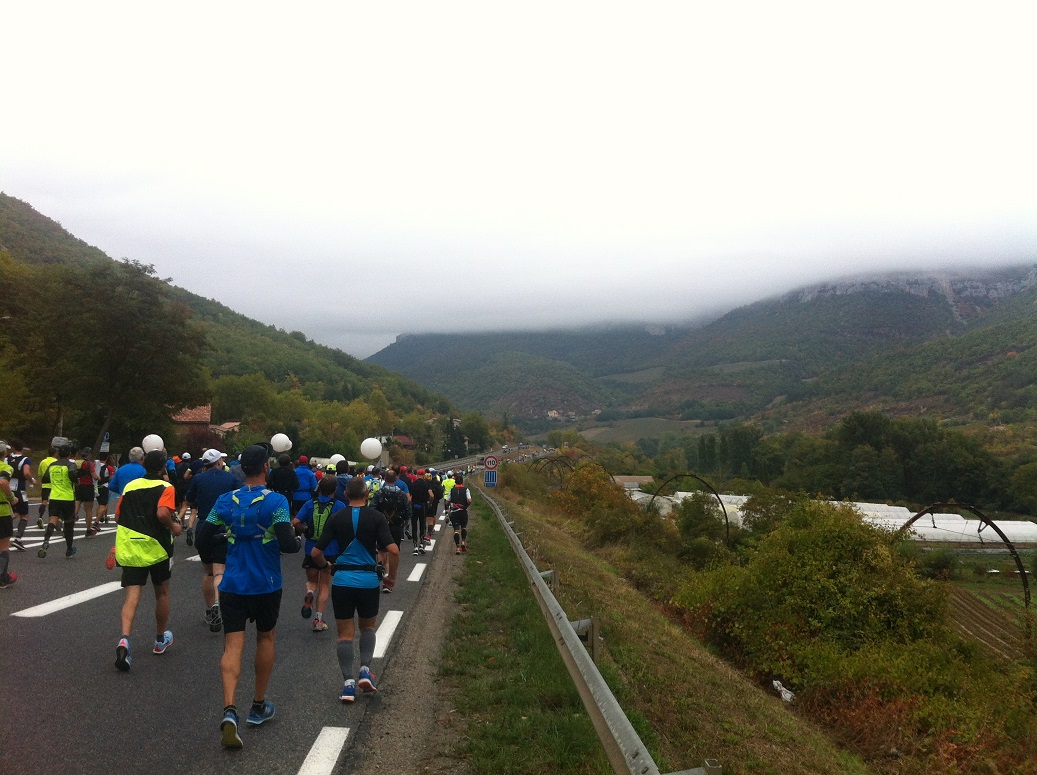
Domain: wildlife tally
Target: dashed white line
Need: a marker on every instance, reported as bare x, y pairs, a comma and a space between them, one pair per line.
324, 752
415, 574
390, 622
68, 601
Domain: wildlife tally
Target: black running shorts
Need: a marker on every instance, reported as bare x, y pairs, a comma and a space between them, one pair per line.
350, 601
63, 509
138, 577
85, 493
239, 609
6, 527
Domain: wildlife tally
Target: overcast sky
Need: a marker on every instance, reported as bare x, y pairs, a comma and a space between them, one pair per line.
360, 170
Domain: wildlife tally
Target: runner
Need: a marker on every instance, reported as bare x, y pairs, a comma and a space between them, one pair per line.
420, 497
203, 491
460, 500
259, 528
363, 531
146, 525
394, 503
6, 519
127, 472
311, 520
44, 488
86, 494
105, 471
61, 475
307, 484
20, 481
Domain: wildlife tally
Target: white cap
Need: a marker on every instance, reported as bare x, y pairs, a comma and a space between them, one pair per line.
186, 456
211, 456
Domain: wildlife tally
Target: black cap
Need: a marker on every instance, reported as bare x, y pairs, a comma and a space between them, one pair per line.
256, 455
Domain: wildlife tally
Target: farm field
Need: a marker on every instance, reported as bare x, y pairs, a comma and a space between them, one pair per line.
993, 615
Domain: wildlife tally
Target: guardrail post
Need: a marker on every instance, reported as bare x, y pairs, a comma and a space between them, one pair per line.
551, 577
587, 630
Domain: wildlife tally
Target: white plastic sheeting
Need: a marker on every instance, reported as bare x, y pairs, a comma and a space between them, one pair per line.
932, 528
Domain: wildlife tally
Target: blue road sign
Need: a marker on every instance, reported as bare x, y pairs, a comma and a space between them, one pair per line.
490, 478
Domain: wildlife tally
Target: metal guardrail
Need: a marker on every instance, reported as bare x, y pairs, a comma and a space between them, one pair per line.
627, 754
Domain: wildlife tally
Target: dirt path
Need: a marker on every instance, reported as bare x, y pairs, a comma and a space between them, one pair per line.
415, 728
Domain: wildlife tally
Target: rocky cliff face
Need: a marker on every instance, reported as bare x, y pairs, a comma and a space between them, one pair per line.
968, 295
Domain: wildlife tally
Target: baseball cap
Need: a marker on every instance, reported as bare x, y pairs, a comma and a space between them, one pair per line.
421, 472
186, 456
4, 446
256, 455
303, 460
211, 456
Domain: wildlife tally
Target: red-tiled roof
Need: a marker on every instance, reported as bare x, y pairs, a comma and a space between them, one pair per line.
199, 414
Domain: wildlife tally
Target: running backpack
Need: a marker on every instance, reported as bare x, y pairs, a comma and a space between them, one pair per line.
391, 501
321, 513
244, 520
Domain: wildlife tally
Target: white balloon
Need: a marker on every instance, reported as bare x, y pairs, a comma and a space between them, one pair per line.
370, 448
335, 459
152, 442
280, 442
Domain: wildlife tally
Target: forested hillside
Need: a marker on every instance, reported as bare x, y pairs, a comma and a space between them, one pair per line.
97, 344
958, 343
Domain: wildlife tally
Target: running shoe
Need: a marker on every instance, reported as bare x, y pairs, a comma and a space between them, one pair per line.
386, 590
122, 655
319, 625
208, 615
458, 550
105, 519
8, 580
348, 693
17, 544
162, 645
217, 618
366, 681
39, 523
229, 730
109, 561
43, 550
421, 550
415, 552
257, 717
70, 551
307, 604
464, 546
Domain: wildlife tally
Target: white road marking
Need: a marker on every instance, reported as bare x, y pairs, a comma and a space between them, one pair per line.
68, 600
324, 752
390, 622
437, 527
194, 558
419, 568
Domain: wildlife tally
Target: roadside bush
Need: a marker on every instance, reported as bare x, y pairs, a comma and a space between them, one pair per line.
823, 579
939, 564
522, 480
829, 606
590, 496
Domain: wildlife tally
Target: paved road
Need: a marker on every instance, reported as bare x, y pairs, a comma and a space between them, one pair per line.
67, 708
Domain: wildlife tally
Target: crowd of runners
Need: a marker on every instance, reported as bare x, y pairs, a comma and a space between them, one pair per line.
350, 522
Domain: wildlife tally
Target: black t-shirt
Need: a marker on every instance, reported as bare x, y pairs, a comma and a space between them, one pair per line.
419, 492
372, 530
284, 480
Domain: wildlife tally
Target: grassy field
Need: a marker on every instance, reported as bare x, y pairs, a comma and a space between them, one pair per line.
522, 713
641, 428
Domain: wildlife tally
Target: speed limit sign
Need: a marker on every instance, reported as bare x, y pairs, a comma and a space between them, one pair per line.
490, 463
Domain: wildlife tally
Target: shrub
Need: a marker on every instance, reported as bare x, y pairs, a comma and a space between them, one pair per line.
824, 579
590, 496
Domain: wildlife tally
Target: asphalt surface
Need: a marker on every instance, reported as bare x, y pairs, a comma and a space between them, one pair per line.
68, 709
